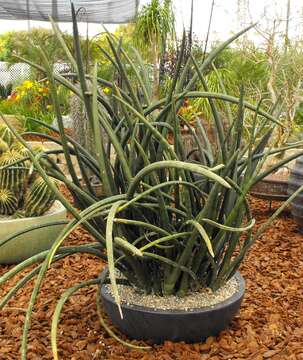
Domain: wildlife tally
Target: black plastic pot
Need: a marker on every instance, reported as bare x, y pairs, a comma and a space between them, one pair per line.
144, 323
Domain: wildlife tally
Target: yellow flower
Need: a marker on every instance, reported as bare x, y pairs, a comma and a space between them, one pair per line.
106, 90
28, 84
48, 107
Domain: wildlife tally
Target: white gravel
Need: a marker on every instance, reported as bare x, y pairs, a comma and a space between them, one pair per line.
196, 300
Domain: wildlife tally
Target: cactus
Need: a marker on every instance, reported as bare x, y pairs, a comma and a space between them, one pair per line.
6, 135
13, 178
22, 192
19, 214
8, 202
3, 146
22, 150
19, 148
38, 199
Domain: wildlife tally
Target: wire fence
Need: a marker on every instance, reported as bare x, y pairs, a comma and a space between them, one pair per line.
15, 74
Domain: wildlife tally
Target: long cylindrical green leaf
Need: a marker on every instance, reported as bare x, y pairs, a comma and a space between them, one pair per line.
110, 252
166, 164
203, 234
55, 320
230, 228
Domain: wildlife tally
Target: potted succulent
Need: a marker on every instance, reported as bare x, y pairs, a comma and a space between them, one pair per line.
173, 232
25, 201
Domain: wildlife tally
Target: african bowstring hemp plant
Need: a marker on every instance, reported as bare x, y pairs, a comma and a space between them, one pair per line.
23, 193
169, 225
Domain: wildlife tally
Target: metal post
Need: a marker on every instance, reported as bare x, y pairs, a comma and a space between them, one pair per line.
28, 15
55, 9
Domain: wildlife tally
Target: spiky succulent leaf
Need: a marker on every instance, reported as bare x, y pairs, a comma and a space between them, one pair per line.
8, 202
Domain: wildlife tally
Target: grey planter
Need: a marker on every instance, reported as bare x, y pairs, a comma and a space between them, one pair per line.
295, 180
31, 243
143, 323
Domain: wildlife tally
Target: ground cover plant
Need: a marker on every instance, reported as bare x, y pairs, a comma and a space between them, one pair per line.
169, 225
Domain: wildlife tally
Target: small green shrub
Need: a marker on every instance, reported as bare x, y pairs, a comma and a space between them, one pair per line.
5, 91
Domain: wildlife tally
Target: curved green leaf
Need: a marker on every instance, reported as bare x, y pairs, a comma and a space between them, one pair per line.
203, 234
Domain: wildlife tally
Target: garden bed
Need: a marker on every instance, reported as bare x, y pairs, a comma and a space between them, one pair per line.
269, 326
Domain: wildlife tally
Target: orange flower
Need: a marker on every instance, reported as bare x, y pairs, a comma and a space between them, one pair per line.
43, 90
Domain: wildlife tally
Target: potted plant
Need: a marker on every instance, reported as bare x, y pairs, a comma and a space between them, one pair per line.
25, 201
173, 232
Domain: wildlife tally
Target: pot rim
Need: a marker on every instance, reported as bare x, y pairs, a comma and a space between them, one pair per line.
138, 308
60, 210
280, 181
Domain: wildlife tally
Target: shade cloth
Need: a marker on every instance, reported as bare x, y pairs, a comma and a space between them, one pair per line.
93, 11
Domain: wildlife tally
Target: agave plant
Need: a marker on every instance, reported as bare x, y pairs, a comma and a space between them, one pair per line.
169, 225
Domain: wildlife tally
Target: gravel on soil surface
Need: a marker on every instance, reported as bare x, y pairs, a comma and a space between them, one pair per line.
269, 325
203, 298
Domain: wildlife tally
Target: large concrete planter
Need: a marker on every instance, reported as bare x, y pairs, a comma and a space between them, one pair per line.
272, 187
33, 242
14, 120
59, 159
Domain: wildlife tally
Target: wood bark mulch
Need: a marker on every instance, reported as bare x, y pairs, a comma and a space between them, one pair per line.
28, 137
269, 325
